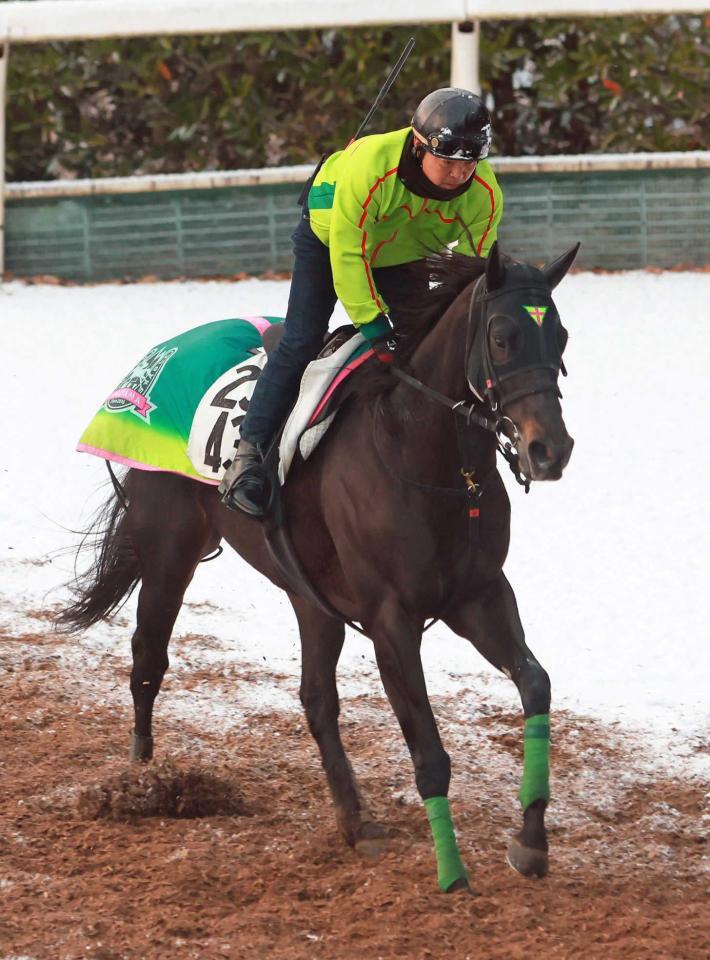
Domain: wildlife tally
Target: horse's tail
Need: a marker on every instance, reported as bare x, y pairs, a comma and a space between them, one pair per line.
114, 573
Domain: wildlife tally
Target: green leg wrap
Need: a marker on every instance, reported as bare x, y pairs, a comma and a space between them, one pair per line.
448, 859
536, 764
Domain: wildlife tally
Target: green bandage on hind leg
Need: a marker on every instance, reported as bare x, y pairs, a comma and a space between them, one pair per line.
448, 859
535, 784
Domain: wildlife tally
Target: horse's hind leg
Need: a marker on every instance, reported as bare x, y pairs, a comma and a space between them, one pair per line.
322, 641
171, 534
492, 623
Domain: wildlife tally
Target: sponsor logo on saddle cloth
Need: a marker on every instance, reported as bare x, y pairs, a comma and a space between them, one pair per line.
536, 313
133, 392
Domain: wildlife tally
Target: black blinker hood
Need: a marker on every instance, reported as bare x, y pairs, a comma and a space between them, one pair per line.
539, 355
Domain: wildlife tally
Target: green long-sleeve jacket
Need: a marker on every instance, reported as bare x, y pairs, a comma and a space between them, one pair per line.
367, 217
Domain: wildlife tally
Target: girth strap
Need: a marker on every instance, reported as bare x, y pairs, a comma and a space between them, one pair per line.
288, 563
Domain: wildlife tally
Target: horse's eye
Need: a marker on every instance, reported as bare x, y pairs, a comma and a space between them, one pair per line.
499, 342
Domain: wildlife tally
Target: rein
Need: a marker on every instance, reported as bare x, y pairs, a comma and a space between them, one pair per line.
459, 407
497, 425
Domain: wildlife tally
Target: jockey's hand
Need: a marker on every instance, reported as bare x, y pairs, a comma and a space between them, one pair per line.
385, 349
381, 336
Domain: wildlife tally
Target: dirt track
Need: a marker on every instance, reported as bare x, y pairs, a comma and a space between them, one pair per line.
273, 879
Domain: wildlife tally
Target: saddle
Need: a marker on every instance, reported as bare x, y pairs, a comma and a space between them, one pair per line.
320, 395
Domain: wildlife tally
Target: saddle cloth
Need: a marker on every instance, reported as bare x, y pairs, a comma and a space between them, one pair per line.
180, 408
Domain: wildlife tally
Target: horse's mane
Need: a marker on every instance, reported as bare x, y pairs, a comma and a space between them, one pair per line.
447, 274
414, 315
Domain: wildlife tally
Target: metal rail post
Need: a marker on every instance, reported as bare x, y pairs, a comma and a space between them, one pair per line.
464, 55
4, 54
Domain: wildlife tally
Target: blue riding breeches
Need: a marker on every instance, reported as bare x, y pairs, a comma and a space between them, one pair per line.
310, 306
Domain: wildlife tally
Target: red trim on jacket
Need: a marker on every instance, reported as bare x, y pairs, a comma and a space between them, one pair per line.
441, 216
372, 191
451, 220
380, 245
373, 292
493, 210
368, 264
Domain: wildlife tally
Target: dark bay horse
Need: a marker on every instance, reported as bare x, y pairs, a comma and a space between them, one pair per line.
400, 515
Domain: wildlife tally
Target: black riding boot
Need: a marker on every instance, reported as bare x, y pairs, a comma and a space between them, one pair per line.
245, 485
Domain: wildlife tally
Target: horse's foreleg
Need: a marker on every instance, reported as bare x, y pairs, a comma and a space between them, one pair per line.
322, 641
492, 623
397, 644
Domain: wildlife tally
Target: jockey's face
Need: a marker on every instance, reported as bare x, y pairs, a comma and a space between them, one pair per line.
447, 174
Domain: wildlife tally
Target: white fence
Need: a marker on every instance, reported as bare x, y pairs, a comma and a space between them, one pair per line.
630, 212
40, 20
209, 180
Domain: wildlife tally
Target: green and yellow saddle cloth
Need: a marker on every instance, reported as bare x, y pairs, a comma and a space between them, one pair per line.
180, 408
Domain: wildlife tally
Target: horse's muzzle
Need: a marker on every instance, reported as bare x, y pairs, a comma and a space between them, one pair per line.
548, 460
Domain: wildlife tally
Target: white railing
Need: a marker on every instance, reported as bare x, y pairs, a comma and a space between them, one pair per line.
592, 163
40, 20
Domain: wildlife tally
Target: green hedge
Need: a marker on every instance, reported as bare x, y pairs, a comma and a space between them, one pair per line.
109, 108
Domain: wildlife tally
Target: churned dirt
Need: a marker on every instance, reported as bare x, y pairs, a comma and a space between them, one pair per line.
226, 847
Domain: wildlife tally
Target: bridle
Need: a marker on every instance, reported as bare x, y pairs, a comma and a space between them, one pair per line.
491, 395
485, 411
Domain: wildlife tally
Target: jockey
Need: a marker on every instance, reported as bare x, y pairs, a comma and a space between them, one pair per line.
383, 201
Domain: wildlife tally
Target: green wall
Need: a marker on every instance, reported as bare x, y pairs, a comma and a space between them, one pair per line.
625, 220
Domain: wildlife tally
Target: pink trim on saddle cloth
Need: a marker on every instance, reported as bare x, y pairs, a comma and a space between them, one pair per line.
261, 323
345, 372
135, 465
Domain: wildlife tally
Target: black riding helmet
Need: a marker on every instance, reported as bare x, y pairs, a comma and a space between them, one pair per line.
453, 124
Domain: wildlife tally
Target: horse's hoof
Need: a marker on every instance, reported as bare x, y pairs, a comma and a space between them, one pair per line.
372, 840
141, 748
527, 860
461, 884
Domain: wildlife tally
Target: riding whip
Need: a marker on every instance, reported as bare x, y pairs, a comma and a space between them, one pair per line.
386, 87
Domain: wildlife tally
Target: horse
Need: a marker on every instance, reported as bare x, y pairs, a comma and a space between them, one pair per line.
399, 516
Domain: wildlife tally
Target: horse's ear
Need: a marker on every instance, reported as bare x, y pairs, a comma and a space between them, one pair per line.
495, 271
558, 268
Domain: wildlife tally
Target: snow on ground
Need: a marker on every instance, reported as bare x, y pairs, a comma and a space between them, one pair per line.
611, 565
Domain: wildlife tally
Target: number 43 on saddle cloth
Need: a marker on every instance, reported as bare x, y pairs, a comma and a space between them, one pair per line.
180, 408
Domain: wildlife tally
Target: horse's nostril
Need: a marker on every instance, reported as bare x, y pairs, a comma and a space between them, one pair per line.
538, 454
548, 460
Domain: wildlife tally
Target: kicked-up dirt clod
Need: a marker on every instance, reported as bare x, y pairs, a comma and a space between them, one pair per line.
161, 790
